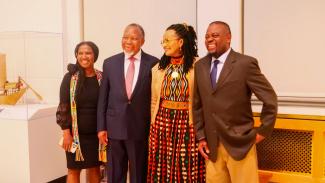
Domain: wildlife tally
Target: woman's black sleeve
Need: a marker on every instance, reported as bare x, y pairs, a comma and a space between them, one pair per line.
63, 114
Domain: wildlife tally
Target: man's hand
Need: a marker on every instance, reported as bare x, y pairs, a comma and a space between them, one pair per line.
259, 138
204, 149
102, 136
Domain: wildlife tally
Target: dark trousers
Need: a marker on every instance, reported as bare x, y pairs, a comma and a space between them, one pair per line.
124, 154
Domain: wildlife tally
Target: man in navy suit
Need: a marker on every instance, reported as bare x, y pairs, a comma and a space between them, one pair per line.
123, 114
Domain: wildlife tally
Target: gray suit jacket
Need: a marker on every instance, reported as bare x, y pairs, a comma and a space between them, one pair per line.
225, 114
125, 119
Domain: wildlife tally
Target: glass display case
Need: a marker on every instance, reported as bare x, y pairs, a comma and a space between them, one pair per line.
31, 70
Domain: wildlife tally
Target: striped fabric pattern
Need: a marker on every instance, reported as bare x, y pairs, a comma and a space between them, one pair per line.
173, 151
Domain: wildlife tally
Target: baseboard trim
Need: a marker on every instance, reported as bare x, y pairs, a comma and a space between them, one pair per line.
59, 180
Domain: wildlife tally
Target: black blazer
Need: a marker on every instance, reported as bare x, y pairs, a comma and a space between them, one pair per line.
123, 118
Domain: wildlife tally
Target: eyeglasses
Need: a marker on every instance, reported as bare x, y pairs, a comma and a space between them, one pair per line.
130, 38
167, 41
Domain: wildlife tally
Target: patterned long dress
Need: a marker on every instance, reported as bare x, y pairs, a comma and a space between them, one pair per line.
173, 151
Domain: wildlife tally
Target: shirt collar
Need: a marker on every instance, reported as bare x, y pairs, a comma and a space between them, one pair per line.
222, 57
136, 56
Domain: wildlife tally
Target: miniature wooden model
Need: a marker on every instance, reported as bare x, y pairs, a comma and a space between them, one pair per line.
11, 92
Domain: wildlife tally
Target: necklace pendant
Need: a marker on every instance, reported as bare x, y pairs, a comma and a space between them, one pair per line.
175, 74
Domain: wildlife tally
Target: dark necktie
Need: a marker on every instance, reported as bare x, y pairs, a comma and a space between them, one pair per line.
213, 74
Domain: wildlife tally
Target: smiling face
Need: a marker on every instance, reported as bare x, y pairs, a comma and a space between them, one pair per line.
85, 57
217, 39
172, 44
132, 40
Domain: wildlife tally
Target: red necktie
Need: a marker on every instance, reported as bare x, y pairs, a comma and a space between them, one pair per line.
129, 77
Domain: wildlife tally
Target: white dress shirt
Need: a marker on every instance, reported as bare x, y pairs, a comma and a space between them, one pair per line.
222, 60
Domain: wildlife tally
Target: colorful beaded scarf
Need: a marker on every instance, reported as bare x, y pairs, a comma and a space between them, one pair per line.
73, 84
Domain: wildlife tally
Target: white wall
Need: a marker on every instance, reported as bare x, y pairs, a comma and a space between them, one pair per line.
288, 39
223, 10
35, 15
105, 22
155, 17
72, 29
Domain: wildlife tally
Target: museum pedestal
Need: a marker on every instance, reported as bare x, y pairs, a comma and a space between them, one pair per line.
29, 144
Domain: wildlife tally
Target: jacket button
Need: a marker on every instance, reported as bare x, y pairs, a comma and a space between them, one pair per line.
129, 102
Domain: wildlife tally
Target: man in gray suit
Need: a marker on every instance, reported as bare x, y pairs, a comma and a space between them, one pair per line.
123, 113
224, 124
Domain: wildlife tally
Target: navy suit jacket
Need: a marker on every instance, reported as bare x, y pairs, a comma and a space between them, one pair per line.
125, 119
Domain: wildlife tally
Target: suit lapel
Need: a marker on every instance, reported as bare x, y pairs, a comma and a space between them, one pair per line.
226, 70
142, 72
121, 72
206, 64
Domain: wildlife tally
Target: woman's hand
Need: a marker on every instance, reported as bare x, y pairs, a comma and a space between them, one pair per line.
102, 136
67, 140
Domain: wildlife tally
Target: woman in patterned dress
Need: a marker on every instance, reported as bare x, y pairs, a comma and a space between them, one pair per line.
173, 151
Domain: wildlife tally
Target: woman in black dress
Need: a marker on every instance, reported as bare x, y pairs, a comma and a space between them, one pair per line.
76, 114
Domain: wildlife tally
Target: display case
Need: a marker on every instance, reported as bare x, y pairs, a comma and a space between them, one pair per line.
31, 70
31, 65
